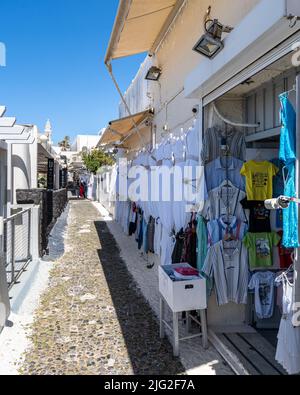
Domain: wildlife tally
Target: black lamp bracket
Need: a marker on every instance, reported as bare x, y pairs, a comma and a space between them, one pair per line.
211, 24
293, 20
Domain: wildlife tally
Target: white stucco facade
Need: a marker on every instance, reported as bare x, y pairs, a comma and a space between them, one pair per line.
177, 60
190, 80
85, 141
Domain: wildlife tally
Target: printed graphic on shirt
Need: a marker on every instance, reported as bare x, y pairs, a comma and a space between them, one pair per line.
260, 180
261, 213
262, 248
259, 216
264, 292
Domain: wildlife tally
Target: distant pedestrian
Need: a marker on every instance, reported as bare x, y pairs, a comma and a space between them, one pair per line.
81, 191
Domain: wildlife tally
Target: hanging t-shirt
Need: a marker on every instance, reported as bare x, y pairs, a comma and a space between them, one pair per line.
218, 142
219, 228
259, 219
227, 264
263, 283
260, 248
224, 168
259, 179
224, 200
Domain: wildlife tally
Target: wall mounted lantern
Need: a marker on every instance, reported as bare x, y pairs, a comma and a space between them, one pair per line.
153, 74
210, 44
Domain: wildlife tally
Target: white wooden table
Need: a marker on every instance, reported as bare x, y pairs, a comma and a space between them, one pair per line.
175, 328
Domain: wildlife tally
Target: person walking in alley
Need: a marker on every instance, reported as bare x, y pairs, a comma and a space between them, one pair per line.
81, 191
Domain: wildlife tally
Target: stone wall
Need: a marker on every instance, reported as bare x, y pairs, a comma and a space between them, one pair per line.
60, 199
52, 204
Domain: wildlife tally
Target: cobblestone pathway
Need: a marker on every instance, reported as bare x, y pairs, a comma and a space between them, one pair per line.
93, 319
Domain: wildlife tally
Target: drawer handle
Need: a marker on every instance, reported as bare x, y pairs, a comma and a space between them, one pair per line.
189, 286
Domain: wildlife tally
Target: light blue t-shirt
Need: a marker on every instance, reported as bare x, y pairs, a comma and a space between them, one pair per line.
224, 168
263, 283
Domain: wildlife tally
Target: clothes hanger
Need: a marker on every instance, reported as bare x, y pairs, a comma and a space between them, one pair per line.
229, 236
258, 157
227, 219
285, 274
290, 91
227, 183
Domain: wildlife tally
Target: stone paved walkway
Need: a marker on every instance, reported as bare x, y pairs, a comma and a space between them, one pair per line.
93, 319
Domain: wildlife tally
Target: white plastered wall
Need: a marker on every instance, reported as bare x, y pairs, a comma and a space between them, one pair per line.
2, 181
177, 59
24, 163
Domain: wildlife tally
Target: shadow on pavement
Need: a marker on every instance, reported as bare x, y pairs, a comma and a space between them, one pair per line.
148, 353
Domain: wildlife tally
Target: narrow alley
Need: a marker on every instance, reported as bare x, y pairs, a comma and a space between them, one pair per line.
92, 319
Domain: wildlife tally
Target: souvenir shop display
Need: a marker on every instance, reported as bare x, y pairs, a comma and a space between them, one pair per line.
247, 244
226, 261
236, 243
160, 223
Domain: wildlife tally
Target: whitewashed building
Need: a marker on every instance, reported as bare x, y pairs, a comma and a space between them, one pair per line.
238, 87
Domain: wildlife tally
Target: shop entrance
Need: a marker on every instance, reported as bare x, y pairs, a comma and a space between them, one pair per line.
249, 117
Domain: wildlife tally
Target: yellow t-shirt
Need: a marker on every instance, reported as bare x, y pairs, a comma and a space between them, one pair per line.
259, 179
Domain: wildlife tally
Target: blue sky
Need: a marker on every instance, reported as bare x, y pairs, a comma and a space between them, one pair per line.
55, 52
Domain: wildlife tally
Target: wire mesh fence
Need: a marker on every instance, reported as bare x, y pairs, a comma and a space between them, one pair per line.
16, 245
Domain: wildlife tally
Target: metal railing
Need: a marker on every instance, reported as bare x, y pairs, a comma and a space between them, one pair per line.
17, 245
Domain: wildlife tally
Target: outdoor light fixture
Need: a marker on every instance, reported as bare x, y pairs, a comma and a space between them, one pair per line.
153, 74
210, 44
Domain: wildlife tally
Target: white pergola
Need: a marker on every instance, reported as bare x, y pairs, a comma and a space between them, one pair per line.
13, 134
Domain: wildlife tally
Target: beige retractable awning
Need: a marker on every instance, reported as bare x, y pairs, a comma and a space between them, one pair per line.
121, 129
140, 25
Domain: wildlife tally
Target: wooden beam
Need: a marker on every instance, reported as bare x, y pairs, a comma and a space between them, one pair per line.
7, 122
227, 354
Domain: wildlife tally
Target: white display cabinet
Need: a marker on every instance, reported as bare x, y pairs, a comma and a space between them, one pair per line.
181, 296
184, 296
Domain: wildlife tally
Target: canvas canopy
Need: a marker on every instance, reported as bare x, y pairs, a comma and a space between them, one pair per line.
140, 25
121, 129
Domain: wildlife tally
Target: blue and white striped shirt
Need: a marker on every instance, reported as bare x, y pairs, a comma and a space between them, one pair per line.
227, 264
